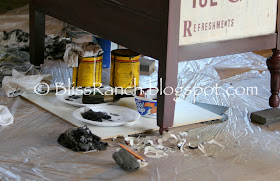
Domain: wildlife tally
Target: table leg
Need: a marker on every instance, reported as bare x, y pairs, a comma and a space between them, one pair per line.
168, 63
37, 36
273, 64
167, 84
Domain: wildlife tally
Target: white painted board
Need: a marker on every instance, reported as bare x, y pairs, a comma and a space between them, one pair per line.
185, 113
216, 20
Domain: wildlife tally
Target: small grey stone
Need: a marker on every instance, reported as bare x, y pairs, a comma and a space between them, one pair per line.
125, 160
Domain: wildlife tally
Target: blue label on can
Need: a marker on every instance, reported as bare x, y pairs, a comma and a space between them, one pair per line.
146, 108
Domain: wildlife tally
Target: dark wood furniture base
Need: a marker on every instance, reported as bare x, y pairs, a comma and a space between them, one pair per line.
150, 28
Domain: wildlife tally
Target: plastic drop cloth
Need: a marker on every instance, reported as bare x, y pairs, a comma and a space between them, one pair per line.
29, 148
19, 19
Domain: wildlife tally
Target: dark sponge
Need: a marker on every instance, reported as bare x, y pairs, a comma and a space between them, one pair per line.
81, 139
125, 160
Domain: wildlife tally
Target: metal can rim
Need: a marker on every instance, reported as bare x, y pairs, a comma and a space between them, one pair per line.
124, 53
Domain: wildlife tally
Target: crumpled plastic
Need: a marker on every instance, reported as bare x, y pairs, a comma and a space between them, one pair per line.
14, 51
18, 83
76, 35
6, 118
14, 39
250, 152
17, 41
19, 19
86, 49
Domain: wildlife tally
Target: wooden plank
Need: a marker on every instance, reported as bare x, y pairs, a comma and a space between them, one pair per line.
267, 116
213, 49
147, 7
121, 25
186, 113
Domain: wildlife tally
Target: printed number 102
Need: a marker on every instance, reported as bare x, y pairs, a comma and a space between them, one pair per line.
203, 3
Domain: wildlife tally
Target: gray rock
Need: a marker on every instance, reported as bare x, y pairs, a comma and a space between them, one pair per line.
125, 160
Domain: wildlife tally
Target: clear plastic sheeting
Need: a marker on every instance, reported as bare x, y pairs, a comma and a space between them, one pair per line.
19, 19
29, 148
60, 72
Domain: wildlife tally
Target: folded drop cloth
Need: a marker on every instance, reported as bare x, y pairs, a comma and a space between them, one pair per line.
18, 83
6, 118
74, 51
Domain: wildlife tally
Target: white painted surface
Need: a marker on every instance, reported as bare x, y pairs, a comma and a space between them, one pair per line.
245, 18
185, 113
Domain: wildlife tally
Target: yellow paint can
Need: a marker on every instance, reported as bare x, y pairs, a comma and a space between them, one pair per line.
125, 68
88, 73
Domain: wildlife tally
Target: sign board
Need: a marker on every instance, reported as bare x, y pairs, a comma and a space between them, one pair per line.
204, 21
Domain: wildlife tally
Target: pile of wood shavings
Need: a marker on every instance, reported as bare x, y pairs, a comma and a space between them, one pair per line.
167, 144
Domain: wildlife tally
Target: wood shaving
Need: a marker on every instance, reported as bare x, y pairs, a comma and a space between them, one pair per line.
151, 152
142, 164
168, 143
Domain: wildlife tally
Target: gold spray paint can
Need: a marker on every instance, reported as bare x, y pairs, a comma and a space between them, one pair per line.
88, 73
125, 68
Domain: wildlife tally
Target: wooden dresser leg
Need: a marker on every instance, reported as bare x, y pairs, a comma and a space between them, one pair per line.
37, 36
165, 103
161, 130
167, 84
168, 63
273, 64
